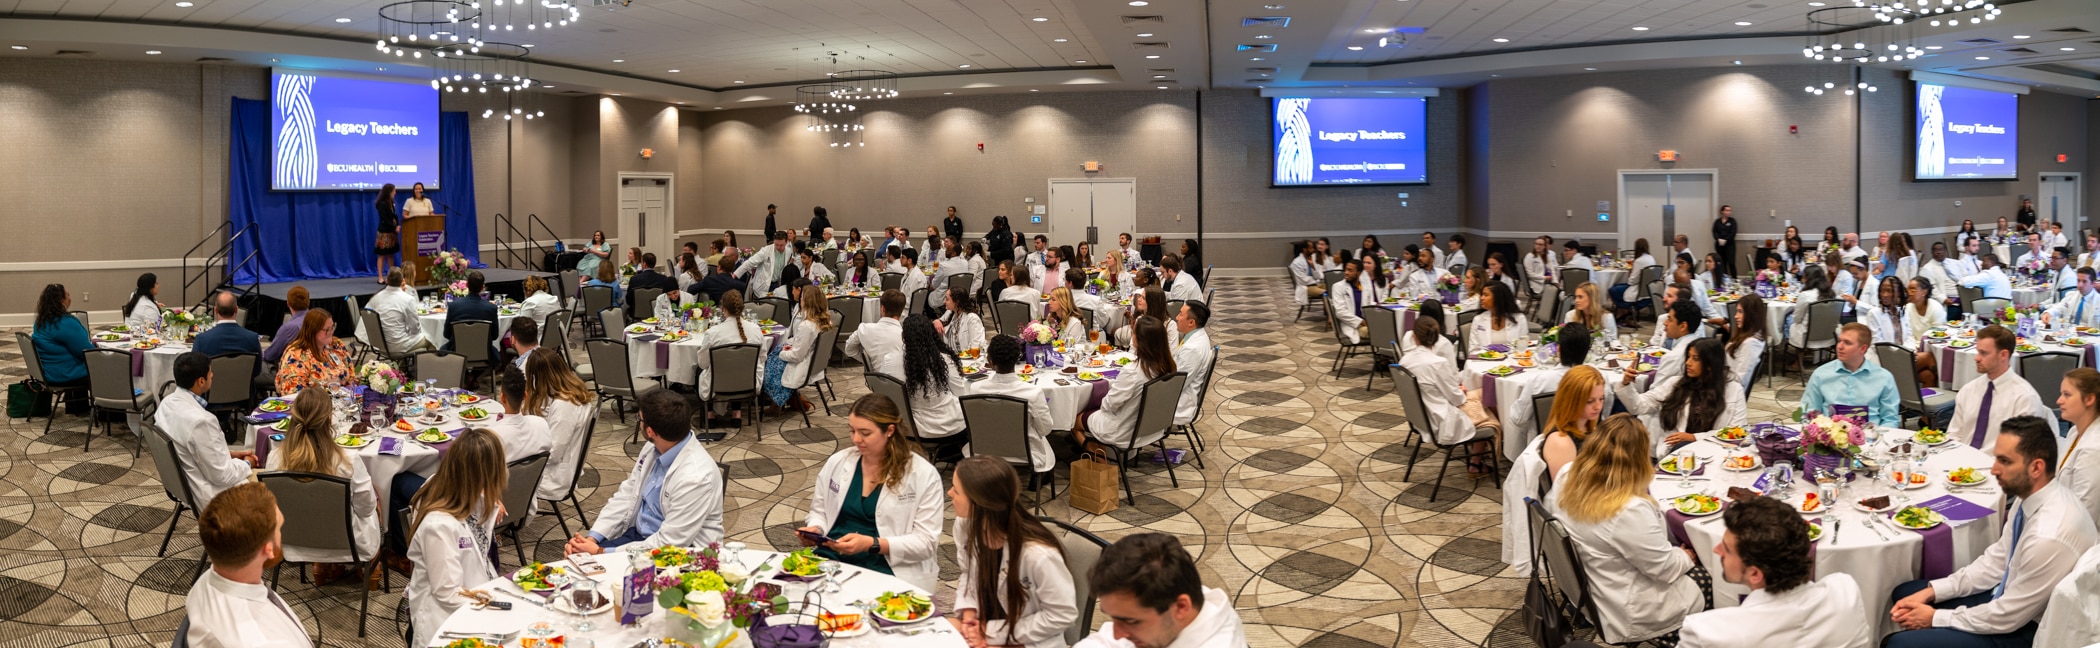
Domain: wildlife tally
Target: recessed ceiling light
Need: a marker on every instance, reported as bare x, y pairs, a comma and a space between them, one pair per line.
1160, 87
738, 82
615, 94
342, 20
1059, 40
1497, 76
619, 60
1079, 60
1356, 48
1034, 90
1815, 4
681, 103
674, 71
1138, 3
2068, 49
1373, 30
1151, 56
1590, 69
19, 47
1145, 35
1640, 29
1932, 47
1272, 7
1263, 36
185, 5
1258, 58
1742, 23
1040, 19
157, 53
947, 93
1738, 62
1983, 58
1159, 76
1501, 40
965, 65
2022, 36
547, 87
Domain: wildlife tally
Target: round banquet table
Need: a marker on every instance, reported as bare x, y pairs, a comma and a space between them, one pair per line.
608, 633
1957, 353
649, 356
1877, 561
407, 455
150, 368
2033, 295
1502, 394
1067, 394
1606, 277
433, 323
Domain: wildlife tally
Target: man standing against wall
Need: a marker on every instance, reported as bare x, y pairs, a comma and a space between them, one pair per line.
770, 209
1724, 238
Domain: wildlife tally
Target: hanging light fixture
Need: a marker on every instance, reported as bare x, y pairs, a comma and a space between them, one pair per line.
511, 16
837, 120
415, 28
864, 85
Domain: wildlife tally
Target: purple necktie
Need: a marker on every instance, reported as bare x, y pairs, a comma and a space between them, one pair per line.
1983, 416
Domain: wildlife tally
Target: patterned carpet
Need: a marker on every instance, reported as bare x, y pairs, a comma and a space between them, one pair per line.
1302, 515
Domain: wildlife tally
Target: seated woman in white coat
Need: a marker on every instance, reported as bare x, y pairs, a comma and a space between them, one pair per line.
859, 275
672, 496
1502, 323
1111, 424
1458, 414
934, 384
450, 530
1152, 301
309, 447
959, 324
1643, 586
1886, 317
141, 312
733, 329
1705, 397
1589, 310
1434, 310
1815, 286
1017, 288
1746, 344
1015, 589
1066, 317
2079, 470
539, 301
879, 501
554, 392
789, 365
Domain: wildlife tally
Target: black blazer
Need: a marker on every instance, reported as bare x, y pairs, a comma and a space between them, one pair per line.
471, 308
229, 337
646, 279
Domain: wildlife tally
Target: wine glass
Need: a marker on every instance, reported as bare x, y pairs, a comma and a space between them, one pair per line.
735, 551
831, 572
569, 592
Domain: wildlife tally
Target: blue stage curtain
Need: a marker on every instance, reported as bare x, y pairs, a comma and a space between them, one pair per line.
329, 234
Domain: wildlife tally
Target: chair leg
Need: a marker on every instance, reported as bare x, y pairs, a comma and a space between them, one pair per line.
558, 518
275, 574
1442, 468
578, 506
1170, 465
172, 520
364, 596
1123, 474
517, 544
1414, 451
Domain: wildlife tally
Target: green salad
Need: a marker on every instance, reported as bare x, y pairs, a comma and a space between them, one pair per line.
1918, 517
433, 435
803, 562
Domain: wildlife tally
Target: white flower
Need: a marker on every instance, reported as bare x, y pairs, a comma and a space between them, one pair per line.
708, 609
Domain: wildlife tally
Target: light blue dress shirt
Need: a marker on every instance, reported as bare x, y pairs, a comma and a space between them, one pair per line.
651, 515
1870, 386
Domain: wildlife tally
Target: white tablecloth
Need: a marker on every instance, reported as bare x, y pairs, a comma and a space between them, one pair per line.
1606, 277
1876, 562
434, 325
415, 457
608, 633
1958, 365
156, 369
1517, 428
2033, 295
686, 357
1071, 397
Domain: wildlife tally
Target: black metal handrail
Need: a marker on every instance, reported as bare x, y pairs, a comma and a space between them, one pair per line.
509, 240
217, 258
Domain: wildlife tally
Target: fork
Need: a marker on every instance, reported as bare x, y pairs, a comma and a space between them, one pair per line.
500, 639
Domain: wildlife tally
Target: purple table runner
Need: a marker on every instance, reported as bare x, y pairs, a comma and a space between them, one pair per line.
1937, 559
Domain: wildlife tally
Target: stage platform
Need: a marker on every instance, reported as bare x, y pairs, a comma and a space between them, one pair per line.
364, 286
266, 306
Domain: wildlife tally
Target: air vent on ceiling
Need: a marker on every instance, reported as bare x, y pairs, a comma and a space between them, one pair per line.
76, 53
1983, 41
2070, 30
1149, 46
1266, 21
2022, 51
1268, 47
1261, 70
1135, 21
213, 59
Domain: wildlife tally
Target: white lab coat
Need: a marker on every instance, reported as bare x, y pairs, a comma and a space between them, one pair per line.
1742, 363
398, 321
144, 315
449, 556
228, 614
1093, 303
1611, 325
1441, 394
1217, 625
1640, 582
364, 513
566, 426
936, 413
1072, 332
2067, 309
1192, 355
1119, 409
1040, 457
1051, 604
1648, 406
523, 435
2073, 615
200, 445
1525, 473
800, 347
1184, 288
725, 334
1342, 295
538, 306
1484, 332
763, 266
1823, 612
1027, 295
879, 344
965, 331
909, 515
691, 500
1303, 275
2079, 469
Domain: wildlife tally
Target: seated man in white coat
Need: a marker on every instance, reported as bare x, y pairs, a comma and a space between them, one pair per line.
1765, 548
230, 607
1148, 588
1192, 354
674, 494
880, 344
1348, 304
2080, 307
198, 441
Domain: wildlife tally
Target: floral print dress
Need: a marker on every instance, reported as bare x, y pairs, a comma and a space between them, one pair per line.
302, 367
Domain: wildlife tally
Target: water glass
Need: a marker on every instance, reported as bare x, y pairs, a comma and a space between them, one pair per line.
831, 572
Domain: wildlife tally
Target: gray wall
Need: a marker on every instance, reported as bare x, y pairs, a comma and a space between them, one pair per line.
2050, 123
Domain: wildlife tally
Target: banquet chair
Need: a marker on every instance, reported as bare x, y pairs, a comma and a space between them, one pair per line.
1082, 550
182, 634
850, 310
174, 479
1329, 278
375, 336
1989, 309
517, 496
583, 453
1554, 554
1385, 334
447, 368
887, 385
1157, 400
1546, 311
763, 310
892, 280
960, 282
915, 303
1209, 296
732, 375
1541, 409
109, 383
1570, 279
317, 515
1902, 364
1642, 291
1196, 444
783, 309
232, 396
473, 340
555, 333
36, 381
1012, 315
1344, 348
566, 290
984, 283
2045, 371
612, 321
1086, 316
645, 300
1968, 297
819, 359
615, 376
82, 317
1423, 425
998, 427
1463, 322
595, 300
1822, 330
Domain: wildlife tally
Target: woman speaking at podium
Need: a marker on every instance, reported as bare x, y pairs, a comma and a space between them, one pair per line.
388, 241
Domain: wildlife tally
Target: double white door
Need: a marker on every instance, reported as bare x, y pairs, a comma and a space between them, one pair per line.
1659, 206
645, 219
1107, 205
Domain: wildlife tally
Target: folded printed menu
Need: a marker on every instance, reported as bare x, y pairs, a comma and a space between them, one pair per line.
1957, 509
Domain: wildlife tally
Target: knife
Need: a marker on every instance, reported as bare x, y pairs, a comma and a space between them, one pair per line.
1836, 527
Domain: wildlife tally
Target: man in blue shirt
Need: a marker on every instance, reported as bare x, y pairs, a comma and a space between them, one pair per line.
1852, 382
674, 494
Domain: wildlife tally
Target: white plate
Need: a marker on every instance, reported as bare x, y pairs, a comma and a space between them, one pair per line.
866, 622
1885, 509
561, 601
1797, 501
1955, 484
1674, 507
1756, 463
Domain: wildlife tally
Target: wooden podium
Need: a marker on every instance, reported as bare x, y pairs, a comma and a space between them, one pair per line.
421, 236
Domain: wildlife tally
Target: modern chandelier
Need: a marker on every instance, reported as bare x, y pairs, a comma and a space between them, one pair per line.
836, 119
1839, 38
449, 36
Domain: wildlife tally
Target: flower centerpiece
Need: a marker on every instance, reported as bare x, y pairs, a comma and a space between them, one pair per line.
381, 381
1767, 283
448, 266
179, 322
1036, 338
1448, 287
701, 595
1826, 440
455, 290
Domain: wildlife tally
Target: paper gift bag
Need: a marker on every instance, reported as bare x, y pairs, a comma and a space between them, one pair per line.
1094, 485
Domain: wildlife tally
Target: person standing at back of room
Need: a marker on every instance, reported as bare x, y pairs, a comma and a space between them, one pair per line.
1724, 238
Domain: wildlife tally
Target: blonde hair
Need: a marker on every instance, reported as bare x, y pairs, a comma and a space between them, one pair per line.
469, 480
551, 378
1611, 470
1592, 317
1477, 280
1061, 302
535, 283
309, 438
815, 308
1569, 401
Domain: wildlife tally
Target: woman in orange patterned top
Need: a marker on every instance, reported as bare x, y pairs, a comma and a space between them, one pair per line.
315, 357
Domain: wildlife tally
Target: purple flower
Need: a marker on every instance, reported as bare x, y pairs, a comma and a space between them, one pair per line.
1858, 437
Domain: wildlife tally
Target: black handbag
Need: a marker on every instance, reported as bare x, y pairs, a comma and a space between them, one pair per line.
24, 402
1543, 620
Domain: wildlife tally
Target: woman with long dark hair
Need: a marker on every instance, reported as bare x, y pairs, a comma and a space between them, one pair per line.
142, 310
1110, 425
1498, 270
1371, 246
1716, 271
594, 253
960, 326
1967, 231
880, 499
999, 243
1015, 589
1503, 322
859, 276
1886, 317
1921, 312
1192, 259
932, 382
1705, 398
387, 242
61, 342
1457, 412
1815, 285
1746, 347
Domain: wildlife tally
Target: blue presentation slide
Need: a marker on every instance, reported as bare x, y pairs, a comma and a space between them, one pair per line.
344, 133
1331, 141
1967, 134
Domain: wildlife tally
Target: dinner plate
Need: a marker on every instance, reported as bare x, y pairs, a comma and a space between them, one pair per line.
1677, 504
1755, 464
1935, 520
1955, 484
1798, 501
1863, 507
1815, 531
562, 601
